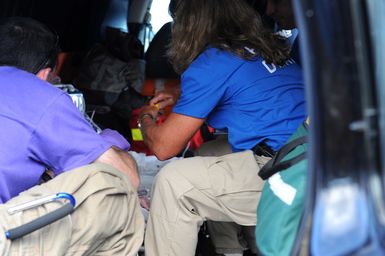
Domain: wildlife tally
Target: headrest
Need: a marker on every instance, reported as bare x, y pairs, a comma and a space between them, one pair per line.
157, 62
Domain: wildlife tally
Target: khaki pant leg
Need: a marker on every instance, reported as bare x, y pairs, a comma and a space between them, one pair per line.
230, 237
106, 221
192, 190
227, 237
224, 235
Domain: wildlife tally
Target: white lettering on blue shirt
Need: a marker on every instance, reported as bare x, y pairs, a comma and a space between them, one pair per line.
270, 67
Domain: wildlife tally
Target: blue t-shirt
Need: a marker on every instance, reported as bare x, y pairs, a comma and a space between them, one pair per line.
251, 100
40, 127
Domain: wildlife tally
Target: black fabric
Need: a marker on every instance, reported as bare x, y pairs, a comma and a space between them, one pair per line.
104, 76
123, 45
262, 149
205, 245
275, 165
110, 79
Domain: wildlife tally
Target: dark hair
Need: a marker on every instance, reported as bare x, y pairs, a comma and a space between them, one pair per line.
27, 44
230, 25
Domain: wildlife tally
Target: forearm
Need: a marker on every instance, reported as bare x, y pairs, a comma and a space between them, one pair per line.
169, 138
122, 161
157, 139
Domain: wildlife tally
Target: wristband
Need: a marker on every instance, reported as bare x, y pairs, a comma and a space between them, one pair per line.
143, 116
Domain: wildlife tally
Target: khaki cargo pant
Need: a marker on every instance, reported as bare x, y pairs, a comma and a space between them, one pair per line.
106, 221
190, 191
227, 237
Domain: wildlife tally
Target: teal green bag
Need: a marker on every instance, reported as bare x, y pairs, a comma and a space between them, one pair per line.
281, 205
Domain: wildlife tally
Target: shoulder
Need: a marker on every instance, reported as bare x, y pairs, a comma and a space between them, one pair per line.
28, 96
215, 56
18, 81
213, 62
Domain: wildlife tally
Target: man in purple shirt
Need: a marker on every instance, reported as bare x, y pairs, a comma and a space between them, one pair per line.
41, 128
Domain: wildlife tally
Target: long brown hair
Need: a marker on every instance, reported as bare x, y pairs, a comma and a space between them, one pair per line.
230, 25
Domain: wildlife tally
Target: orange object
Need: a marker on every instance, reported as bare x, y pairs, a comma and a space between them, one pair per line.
151, 86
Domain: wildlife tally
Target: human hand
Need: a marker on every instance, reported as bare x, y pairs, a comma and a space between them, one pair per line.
115, 138
163, 99
151, 110
144, 199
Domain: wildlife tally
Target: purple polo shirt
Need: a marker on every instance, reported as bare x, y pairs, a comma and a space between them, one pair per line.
39, 127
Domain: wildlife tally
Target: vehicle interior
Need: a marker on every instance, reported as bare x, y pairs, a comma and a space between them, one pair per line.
343, 59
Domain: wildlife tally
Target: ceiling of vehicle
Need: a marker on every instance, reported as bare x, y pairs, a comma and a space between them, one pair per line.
77, 22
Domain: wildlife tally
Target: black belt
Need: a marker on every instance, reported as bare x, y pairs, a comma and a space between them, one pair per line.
262, 149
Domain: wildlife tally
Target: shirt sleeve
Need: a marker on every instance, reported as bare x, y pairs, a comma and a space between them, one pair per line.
63, 139
115, 138
201, 91
205, 82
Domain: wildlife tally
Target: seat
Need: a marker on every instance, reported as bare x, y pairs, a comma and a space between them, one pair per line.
157, 63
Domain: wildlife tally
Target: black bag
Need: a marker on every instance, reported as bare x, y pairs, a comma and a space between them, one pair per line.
123, 45
103, 77
111, 79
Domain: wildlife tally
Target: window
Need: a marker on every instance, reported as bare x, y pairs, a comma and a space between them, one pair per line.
159, 14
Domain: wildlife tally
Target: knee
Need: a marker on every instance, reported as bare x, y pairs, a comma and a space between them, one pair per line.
163, 179
167, 174
169, 182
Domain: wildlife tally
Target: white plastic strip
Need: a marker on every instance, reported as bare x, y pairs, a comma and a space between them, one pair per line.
282, 190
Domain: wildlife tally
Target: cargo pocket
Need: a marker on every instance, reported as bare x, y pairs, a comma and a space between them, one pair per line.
237, 186
233, 173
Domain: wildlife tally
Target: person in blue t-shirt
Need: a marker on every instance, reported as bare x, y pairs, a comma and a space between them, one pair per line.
237, 77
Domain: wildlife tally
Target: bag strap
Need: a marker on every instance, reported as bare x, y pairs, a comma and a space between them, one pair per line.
275, 165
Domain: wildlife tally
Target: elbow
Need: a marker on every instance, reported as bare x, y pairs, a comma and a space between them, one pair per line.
161, 157
163, 154
164, 148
